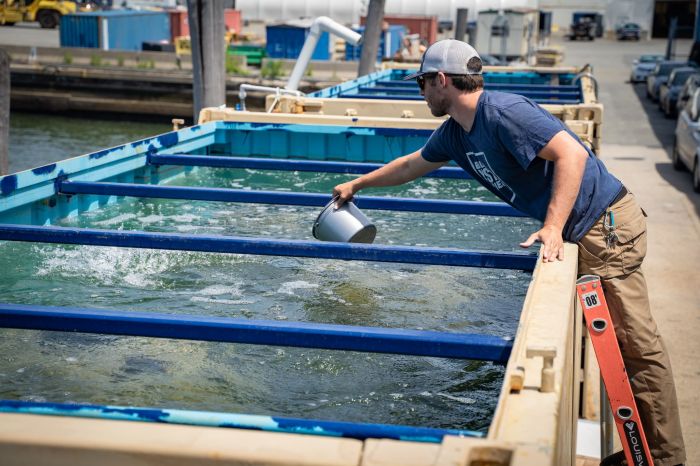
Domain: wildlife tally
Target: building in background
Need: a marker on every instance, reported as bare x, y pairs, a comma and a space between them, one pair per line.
653, 16
350, 11
665, 10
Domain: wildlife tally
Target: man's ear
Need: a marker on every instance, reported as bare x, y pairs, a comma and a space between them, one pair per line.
442, 79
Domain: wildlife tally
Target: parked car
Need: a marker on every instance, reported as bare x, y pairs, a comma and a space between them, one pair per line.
629, 31
584, 30
659, 76
668, 91
686, 143
688, 89
643, 66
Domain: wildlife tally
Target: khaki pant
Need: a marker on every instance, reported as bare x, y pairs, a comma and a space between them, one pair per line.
642, 348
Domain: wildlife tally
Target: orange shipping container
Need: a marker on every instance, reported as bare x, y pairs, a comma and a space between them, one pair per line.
424, 26
180, 27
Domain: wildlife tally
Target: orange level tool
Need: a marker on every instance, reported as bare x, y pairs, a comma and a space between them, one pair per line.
612, 369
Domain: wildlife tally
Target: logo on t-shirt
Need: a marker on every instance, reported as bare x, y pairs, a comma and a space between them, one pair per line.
481, 166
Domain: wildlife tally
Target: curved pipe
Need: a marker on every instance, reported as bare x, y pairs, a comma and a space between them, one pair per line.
320, 24
252, 87
586, 72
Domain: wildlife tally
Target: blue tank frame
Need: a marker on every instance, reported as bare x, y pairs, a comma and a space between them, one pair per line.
389, 84
32, 201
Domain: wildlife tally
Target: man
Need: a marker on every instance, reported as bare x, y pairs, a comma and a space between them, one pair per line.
530, 160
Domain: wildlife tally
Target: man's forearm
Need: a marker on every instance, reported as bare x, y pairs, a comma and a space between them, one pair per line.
399, 171
396, 172
392, 174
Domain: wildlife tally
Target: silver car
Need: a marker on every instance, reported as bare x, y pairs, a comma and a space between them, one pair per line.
686, 144
668, 91
687, 91
660, 76
643, 66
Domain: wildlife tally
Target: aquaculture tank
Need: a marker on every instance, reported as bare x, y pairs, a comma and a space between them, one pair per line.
175, 280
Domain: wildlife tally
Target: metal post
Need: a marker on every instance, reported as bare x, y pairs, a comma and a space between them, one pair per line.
405, 204
670, 45
259, 332
4, 111
462, 19
269, 247
206, 20
370, 38
696, 30
258, 163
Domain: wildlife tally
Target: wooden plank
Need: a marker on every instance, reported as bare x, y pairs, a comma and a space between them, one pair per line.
63, 441
213, 114
547, 319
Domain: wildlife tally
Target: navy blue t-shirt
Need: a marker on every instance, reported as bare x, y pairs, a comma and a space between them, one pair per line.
501, 151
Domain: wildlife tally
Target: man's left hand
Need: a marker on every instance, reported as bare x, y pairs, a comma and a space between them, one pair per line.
552, 243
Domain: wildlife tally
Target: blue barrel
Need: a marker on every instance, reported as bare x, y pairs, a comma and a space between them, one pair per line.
389, 43
114, 29
287, 39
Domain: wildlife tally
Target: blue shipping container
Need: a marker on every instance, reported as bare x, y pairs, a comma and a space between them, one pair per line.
389, 43
286, 41
114, 29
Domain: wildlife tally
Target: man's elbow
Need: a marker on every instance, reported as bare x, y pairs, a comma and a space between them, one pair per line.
573, 153
581, 155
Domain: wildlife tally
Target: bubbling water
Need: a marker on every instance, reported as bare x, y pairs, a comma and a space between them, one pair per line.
295, 382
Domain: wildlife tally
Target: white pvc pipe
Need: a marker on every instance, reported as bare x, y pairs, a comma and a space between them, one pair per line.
320, 24
105, 33
252, 87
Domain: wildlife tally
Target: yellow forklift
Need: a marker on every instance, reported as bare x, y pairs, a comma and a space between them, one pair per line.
46, 12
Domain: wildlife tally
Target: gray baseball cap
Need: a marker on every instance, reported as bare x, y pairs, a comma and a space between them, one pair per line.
449, 56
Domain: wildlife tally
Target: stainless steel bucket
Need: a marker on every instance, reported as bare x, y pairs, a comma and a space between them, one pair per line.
347, 224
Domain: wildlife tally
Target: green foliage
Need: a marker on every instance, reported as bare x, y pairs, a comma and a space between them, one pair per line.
146, 64
309, 71
272, 69
233, 65
67, 58
120, 61
96, 60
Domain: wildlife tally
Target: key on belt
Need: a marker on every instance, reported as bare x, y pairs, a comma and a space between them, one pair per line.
609, 224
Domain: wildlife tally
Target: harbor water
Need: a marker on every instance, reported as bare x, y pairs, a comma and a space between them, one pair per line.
293, 382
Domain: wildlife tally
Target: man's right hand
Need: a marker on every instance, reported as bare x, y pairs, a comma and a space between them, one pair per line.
344, 192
